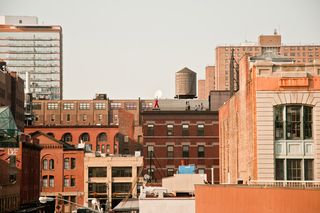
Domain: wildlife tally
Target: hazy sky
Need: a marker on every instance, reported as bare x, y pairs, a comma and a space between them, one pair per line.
131, 48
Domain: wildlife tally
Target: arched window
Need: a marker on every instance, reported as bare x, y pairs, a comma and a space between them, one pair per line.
84, 137
50, 134
102, 137
45, 164
67, 137
51, 164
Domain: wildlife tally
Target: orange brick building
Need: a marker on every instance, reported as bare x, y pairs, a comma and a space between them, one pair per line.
61, 171
270, 129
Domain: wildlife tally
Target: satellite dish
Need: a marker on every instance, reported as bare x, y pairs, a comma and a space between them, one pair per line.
158, 94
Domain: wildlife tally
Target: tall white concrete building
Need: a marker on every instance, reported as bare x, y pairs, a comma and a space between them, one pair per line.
28, 46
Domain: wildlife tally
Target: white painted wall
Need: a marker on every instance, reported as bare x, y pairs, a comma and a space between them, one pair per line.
14, 20
172, 205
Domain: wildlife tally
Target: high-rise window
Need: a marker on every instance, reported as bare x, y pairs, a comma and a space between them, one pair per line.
169, 129
150, 130
200, 130
185, 151
201, 151
185, 130
170, 151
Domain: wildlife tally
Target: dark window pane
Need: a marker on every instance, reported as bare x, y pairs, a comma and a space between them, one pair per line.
278, 114
97, 171
121, 172
185, 130
307, 119
293, 169
169, 129
201, 151
308, 169
170, 151
185, 151
170, 172
150, 130
293, 122
200, 130
279, 169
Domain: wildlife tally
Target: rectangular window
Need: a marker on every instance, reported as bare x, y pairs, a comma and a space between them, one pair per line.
307, 122
68, 117
170, 151
66, 163
185, 130
121, 171
95, 188
72, 181
99, 117
36, 106
279, 169
121, 187
150, 151
84, 117
51, 181
52, 117
100, 105
169, 129
185, 151
279, 123
200, 130
170, 172
73, 163
150, 130
66, 181
201, 151
308, 169
68, 106
45, 181
201, 171
115, 105
97, 172
293, 169
131, 106
293, 122
84, 106
52, 106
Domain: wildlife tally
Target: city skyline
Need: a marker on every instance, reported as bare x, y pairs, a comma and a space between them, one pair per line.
140, 45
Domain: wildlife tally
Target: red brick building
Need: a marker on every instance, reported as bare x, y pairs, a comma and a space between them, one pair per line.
20, 175
96, 138
174, 137
12, 93
61, 171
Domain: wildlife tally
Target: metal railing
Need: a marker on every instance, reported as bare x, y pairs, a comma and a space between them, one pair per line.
286, 183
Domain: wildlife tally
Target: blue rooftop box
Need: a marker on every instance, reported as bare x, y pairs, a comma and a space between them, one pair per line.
190, 169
